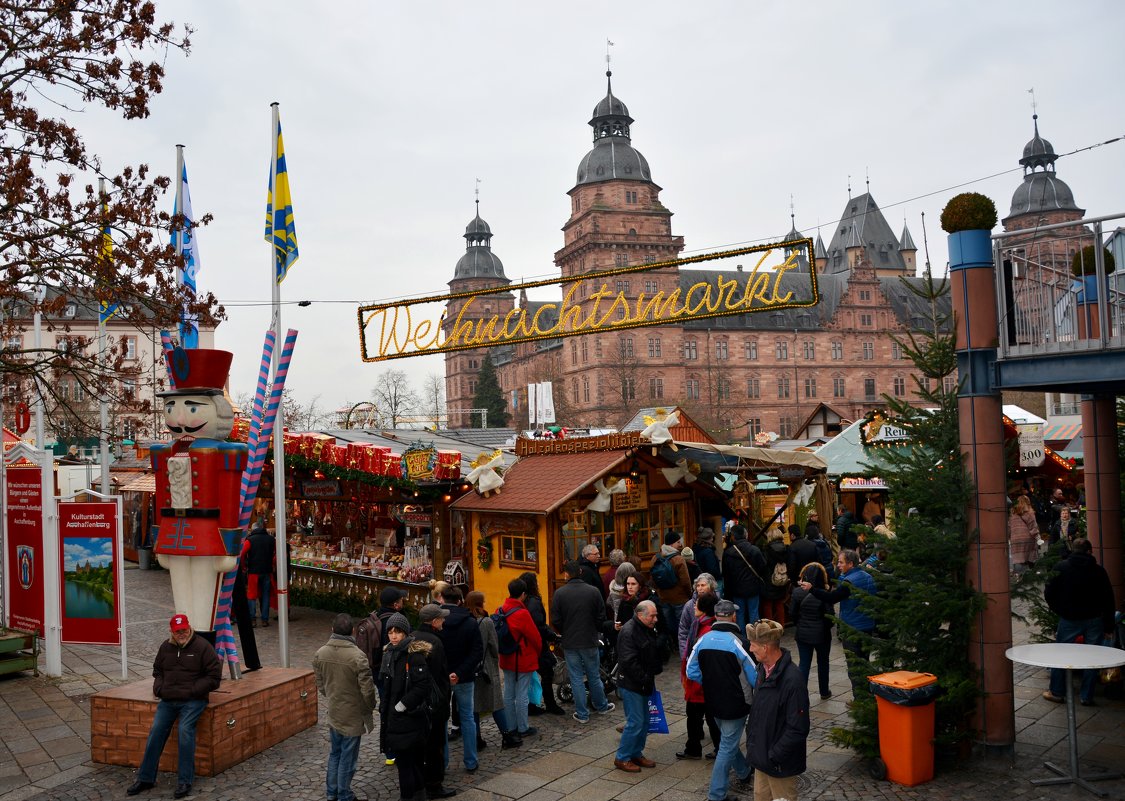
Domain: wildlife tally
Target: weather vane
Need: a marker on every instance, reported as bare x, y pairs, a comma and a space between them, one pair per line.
1034, 105
477, 193
608, 45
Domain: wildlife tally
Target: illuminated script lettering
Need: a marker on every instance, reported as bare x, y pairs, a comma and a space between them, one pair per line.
468, 320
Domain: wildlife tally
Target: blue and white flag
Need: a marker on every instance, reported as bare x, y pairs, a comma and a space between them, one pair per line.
184, 242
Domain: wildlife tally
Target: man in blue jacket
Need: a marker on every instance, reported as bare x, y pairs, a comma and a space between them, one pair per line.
855, 584
720, 662
778, 730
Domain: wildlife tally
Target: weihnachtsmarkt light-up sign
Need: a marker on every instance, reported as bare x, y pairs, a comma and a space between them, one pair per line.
396, 331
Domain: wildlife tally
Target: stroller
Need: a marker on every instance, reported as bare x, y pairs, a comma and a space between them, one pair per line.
607, 670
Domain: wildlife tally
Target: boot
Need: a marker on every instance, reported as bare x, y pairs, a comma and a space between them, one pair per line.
511, 740
554, 709
481, 744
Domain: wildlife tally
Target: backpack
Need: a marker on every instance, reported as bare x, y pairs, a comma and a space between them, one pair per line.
780, 575
369, 639
505, 642
663, 574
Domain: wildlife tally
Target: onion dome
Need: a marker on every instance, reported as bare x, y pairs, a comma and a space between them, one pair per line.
1041, 190
479, 261
613, 156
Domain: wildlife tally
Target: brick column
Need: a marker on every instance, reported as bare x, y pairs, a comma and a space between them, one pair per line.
982, 444
1103, 486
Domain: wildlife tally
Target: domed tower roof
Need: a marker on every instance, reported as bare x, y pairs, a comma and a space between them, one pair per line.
479, 261
613, 155
1041, 190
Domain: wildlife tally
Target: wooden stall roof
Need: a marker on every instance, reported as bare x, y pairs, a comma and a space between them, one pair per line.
728, 458
136, 482
541, 484
686, 429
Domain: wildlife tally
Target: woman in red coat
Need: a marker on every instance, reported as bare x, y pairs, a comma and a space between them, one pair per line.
693, 691
519, 666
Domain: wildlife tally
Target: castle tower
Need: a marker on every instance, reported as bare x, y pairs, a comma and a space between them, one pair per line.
908, 250
478, 269
616, 220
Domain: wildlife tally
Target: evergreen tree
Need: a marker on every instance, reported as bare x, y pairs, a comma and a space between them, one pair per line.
489, 396
925, 608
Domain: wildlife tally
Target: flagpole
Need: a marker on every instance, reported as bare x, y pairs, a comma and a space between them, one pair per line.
281, 541
179, 235
103, 362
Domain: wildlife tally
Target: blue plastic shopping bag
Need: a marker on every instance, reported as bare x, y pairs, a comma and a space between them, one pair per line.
657, 722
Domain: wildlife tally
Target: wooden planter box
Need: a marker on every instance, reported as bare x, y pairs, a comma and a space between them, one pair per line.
243, 718
19, 650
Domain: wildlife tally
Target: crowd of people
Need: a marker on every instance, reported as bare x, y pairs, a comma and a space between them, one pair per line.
723, 616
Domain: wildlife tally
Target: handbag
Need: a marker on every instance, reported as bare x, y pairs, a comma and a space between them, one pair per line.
747, 561
535, 691
657, 721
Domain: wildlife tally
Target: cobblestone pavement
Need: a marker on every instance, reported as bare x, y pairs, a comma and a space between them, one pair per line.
45, 735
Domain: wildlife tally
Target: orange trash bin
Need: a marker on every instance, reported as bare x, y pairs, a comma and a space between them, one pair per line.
906, 724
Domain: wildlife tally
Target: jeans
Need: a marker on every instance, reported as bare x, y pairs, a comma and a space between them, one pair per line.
515, 699
463, 692
805, 651
635, 734
584, 663
747, 611
166, 713
342, 760
730, 757
1068, 631
265, 584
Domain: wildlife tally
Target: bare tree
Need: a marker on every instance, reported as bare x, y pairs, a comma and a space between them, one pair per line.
57, 58
433, 398
623, 377
304, 416
394, 398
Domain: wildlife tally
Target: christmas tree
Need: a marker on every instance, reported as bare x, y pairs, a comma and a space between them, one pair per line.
489, 396
925, 608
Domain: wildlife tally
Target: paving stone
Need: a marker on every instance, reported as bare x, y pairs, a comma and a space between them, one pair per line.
512, 785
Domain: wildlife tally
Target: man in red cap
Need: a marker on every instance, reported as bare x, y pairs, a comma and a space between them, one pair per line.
198, 482
185, 671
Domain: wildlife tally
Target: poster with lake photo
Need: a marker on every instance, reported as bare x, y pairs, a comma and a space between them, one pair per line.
88, 577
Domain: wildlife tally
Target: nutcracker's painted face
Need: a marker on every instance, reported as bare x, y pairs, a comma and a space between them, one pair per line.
200, 416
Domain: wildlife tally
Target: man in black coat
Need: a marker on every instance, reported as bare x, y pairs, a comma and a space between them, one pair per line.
591, 554
638, 662
431, 618
578, 614
705, 552
260, 563
185, 671
1079, 592
778, 730
744, 567
845, 537
802, 550
464, 651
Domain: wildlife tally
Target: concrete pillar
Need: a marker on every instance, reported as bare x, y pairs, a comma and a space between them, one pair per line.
1103, 486
982, 444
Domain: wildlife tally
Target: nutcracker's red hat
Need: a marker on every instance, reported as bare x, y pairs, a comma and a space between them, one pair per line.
198, 371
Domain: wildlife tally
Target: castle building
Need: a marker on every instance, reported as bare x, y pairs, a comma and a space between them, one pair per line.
795, 372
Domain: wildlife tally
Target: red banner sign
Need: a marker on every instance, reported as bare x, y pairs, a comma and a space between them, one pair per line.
25, 548
89, 554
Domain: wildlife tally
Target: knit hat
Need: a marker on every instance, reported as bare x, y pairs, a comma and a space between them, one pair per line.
672, 537
398, 621
765, 631
389, 596
705, 536
688, 554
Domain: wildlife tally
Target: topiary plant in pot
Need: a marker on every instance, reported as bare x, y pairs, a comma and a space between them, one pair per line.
968, 218
969, 211
1083, 262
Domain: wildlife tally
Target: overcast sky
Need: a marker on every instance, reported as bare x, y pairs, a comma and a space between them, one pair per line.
391, 111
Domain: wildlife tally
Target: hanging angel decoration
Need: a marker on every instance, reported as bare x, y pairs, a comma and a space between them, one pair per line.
657, 430
484, 476
603, 502
683, 470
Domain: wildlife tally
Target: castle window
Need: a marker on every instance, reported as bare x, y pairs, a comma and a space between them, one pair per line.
782, 350
724, 389
628, 388
574, 389
650, 286
896, 351
810, 350
755, 426
585, 351
900, 387
621, 260
586, 389
626, 347
721, 350
810, 387
630, 197
837, 351
869, 389
692, 388
783, 388
865, 320
656, 387
750, 350
868, 351
622, 286
753, 388
865, 294
838, 388
690, 350
654, 348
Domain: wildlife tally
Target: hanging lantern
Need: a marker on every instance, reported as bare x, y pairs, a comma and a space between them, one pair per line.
743, 495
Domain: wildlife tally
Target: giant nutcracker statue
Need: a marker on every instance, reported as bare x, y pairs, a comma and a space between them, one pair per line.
198, 479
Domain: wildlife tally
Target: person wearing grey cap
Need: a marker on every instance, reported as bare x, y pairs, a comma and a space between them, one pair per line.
778, 728
721, 662
431, 618
405, 704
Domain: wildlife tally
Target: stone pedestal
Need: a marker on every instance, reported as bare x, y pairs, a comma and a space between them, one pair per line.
243, 718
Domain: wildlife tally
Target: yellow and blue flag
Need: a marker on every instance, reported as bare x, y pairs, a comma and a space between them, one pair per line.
280, 228
108, 308
184, 242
